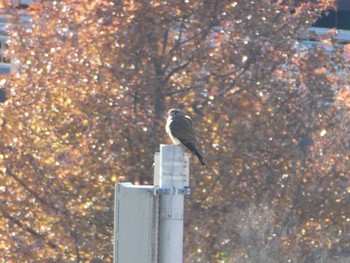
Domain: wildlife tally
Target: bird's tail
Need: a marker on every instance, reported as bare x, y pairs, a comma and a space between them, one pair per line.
192, 147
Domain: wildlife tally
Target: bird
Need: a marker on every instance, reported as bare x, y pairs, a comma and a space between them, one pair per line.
181, 130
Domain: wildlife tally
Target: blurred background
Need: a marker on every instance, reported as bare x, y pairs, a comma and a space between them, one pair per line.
85, 87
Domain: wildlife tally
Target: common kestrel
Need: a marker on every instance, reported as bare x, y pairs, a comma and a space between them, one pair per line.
181, 130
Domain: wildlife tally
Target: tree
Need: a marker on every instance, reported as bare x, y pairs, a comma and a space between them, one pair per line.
86, 110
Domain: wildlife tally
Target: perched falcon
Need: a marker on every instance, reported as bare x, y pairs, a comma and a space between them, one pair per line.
180, 129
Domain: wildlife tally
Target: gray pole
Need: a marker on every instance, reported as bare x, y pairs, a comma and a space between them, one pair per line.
171, 210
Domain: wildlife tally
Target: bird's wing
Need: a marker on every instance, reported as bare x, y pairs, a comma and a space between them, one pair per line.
182, 128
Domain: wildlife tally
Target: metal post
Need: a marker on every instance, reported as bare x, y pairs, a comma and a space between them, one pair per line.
173, 168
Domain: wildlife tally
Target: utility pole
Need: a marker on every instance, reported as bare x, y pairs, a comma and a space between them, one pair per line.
148, 224
171, 209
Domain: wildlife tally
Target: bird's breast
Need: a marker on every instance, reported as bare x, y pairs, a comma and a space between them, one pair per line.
168, 130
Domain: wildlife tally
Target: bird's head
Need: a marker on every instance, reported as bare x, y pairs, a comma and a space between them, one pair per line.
174, 112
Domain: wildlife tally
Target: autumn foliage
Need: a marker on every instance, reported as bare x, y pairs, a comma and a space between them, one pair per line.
86, 109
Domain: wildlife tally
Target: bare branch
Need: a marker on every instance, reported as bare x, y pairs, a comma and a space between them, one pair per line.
30, 230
